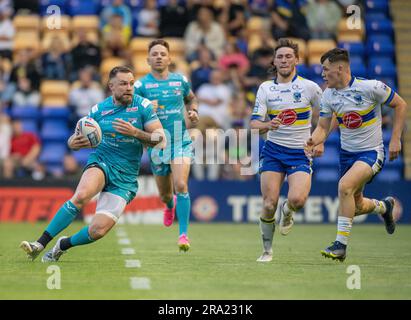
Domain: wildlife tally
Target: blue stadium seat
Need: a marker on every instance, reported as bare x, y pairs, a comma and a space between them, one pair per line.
137, 4
373, 16
375, 6
55, 113
389, 175
54, 130
331, 157
386, 136
53, 153
30, 125
325, 174
383, 26
55, 169
25, 112
380, 45
304, 71
358, 69
381, 68
82, 155
354, 48
81, 7
316, 70
44, 4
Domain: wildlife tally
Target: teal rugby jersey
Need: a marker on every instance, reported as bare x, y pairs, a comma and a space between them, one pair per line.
170, 94
118, 150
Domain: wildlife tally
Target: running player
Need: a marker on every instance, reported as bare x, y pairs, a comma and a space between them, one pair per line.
169, 93
357, 104
288, 101
127, 121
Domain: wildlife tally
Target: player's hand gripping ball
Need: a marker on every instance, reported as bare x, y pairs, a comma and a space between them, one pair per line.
89, 128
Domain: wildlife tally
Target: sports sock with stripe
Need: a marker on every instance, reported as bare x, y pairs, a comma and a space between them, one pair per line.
343, 229
267, 228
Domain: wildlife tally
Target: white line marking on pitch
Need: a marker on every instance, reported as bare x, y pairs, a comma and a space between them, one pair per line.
140, 283
124, 241
133, 263
128, 251
121, 234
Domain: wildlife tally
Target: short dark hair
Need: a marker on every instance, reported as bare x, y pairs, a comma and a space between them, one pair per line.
336, 54
119, 69
161, 42
286, 43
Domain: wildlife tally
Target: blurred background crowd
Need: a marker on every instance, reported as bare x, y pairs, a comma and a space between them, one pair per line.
53, 70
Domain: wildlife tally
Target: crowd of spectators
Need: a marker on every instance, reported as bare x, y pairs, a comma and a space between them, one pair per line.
227, 62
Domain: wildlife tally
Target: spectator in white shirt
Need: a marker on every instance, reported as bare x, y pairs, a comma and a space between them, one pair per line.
205, 31
214, 99
6, 33
85, 94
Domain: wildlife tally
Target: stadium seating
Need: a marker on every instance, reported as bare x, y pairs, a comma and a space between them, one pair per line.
54, 131
54, 92
381, 45
377, 6
30, 125
316, 49
82, 8
25, 112
82, 155
26, 23
52, 153
45, 4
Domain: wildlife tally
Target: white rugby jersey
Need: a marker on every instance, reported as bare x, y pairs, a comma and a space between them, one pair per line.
292, 103
358, 111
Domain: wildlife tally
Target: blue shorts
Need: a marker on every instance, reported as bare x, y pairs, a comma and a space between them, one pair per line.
282, 159
375, 159
160, 159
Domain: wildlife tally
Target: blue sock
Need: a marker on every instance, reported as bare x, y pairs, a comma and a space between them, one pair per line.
183, 211
170, 204
62, 219
81, 237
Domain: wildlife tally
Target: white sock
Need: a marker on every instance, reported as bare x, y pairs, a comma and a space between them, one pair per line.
267, 228
380, 207
344, 229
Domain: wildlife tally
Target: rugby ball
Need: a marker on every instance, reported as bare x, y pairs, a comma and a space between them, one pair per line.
89, 128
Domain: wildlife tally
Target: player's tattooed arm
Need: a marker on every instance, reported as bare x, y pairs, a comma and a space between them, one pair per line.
151, 137
191, 103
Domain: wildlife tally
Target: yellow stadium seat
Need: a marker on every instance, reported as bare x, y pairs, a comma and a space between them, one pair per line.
316, 48
50, 24
107, 64
26, 23
177, 46
25, 40
54, 92
347, 33
302, 48
88, 23
140, 65
256, 24
139, 45
48, 37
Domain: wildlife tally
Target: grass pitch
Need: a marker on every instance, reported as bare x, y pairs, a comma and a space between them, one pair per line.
220, 264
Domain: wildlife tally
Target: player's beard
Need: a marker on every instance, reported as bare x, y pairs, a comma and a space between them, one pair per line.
124, 99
